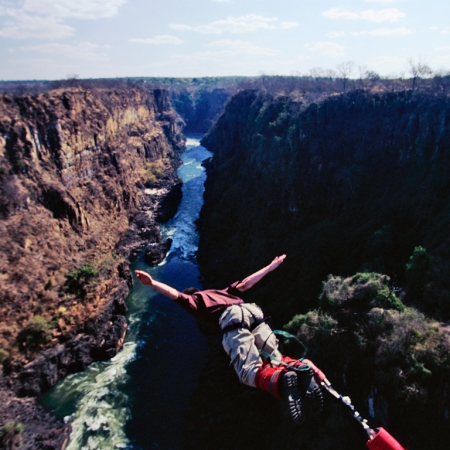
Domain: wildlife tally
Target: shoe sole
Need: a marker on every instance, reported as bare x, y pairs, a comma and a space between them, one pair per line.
292, 398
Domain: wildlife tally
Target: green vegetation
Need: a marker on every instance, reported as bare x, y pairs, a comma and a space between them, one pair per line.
13, 425
20, 166
153, 172
35, 333
417, 269
107, 264
3, 355
78, 279
364, 332
60, 312
361, 292
11, 435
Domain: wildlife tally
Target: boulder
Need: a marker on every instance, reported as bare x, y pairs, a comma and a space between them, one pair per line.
157, 251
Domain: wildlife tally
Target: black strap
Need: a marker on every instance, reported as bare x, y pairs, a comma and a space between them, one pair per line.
258, 322
235, 325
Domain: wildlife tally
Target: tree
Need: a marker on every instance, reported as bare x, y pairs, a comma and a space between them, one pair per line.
35, 333
317, 72
418, 70
344, 70
362, 75
441, 81
417, 270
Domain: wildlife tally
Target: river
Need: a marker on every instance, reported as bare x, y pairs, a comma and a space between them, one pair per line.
138, 399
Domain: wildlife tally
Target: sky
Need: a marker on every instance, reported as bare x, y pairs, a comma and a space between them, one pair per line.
59, 39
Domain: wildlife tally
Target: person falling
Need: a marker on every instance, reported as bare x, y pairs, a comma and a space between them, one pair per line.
245, 335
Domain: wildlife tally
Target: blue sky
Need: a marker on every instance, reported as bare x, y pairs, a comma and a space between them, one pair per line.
54, 39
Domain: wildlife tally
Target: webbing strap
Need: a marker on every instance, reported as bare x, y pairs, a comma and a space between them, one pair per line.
287, 335
303, 368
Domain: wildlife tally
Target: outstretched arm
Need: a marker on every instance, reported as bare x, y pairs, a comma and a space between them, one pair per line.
251, 280
163, 289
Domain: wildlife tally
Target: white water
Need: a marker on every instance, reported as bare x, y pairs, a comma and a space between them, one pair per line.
96, 401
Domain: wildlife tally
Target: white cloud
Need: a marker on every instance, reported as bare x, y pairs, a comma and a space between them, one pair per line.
241, 24
242, 47
77, 9
26, 26
434, 28
384, 32
160, 39
82, 51
328, 49
370, 15
446, 30
44, 19
335, 34
379, 1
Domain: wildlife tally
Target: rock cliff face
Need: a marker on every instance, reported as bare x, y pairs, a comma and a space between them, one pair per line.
355, 183
200, 109
83, 175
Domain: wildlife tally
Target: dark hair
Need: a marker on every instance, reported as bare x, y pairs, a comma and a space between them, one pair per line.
191, 290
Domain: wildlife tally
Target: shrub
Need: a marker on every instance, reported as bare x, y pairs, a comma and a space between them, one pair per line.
11, 435
153, 172
417, 269
361, 292
13, 425
77, 279
3, 355
409, 352
108, 264
311, 324
60, 312
363, 325
150, 178
315, 330
20, 166
35, 333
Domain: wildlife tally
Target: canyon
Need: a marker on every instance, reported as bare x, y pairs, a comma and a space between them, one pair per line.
352, 187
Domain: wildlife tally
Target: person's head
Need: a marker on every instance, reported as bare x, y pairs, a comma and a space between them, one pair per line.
191, 290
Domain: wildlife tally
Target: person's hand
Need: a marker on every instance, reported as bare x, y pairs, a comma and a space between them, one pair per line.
144, 277
277, 261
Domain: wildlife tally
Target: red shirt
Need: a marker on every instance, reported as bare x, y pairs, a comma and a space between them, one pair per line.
207, 306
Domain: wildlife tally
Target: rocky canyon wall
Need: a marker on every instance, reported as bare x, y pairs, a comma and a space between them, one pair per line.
201, 108
84, 174
353, 183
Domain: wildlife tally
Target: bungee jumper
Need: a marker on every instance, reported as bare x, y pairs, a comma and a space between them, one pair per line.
253, 349
250, 342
